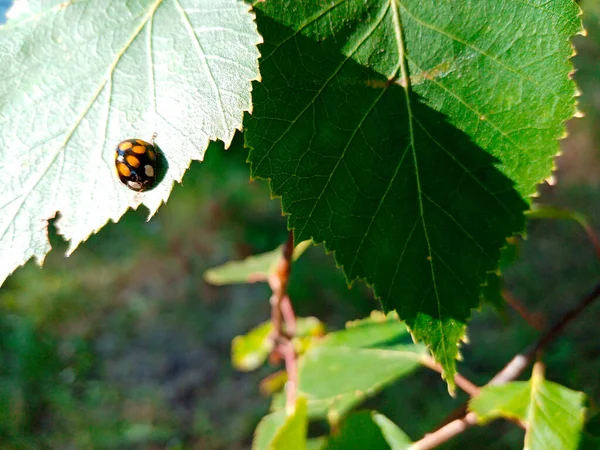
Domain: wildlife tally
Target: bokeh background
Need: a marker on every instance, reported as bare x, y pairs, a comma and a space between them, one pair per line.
124, 346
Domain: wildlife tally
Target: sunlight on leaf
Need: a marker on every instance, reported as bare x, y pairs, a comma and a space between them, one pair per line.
79, 77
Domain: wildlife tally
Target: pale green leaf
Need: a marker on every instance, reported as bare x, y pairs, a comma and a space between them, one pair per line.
552, 413
249, 352
346, 367
395, 437
407, 136
252, 269
309, 327
283, 431
316, 443
81, 76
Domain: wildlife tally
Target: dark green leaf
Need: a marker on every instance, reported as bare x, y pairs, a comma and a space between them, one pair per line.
358, 432
394, 130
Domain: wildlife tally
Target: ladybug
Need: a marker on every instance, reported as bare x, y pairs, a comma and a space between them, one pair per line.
135, 161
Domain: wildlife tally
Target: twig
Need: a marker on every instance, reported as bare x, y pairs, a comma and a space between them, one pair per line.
514, 368
535, 320
509, 373
593, 237
284, 319
445, 433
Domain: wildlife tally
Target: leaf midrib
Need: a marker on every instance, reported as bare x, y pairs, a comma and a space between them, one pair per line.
405, 82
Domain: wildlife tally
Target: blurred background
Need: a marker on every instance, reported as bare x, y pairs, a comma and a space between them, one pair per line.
124, 346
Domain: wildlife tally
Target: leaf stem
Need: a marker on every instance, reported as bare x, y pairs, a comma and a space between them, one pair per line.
284, 319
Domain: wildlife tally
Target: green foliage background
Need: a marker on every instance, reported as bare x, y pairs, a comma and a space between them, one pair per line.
124, 346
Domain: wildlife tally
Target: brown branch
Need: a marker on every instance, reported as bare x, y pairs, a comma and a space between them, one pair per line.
284, 319
445, 433
509, 373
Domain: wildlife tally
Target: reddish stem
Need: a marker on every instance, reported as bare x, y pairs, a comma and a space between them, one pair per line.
289, 317
282, 313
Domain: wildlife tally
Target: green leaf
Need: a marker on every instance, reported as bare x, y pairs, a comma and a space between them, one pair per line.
332, 372
249, 352
358, 432
79, 77
316, 443
282, 431
492, 291
393, 132
252, 269
309, 327
394, 436
274, 384
376, 331
553, 413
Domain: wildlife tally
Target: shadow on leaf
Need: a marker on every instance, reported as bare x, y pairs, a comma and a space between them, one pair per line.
405, 200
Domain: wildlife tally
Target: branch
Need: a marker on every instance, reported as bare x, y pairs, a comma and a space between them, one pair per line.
535, 320
445, 433
509, 373
516, 366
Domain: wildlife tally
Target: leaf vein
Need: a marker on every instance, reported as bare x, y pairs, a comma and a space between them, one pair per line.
480, 51
190, 29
